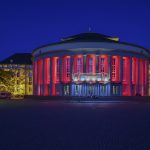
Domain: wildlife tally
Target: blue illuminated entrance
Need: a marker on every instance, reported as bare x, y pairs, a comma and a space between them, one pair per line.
90, 89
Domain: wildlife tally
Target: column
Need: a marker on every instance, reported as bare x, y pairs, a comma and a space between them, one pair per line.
121, 75
141, 77
43, 76
84, 64
71, 71
147, 77
37, 89
97, 71
84, 71
60, 76
97, 63
130, 80
50, 87
138, 75
110, 73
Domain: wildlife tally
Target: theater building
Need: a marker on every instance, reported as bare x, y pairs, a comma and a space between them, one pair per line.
90, 64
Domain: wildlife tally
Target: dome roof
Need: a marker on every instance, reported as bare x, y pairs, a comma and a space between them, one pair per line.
89, 36
91, 40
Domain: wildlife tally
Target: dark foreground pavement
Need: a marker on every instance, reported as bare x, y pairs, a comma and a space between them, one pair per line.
49, 125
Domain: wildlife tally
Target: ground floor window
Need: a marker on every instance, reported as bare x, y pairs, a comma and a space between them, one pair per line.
78, 89
103, 90
91, 90
116, 89
66, 89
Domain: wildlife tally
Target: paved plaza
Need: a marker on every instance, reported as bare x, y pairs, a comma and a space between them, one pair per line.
60, 125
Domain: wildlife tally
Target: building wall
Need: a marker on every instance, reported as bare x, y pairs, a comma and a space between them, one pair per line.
21, 83
91, 74
149, 80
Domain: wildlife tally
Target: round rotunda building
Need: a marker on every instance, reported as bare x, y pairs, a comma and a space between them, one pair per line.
90, 64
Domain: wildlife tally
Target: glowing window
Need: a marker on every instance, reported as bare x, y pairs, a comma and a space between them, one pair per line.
79, 65
102, 65
123, 69
66, 90
90, 63
18, 74
115, 89
57, 69
113, 68
68, 67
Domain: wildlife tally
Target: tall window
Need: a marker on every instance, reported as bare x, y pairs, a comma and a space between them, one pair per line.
103, 90
30, 81
79, 65
90, 67
68, 67
133, 70
113, 68
124, 68
57, 69
102, 65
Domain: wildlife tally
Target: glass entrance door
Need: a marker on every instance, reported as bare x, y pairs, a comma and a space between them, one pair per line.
90, 90
78, 90
66, 90
103, 90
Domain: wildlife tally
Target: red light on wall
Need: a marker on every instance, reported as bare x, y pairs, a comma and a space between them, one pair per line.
146, 78
103, 64
141, 77
126, 76
91, 63
55, 74
115, 69
78, 64
134, 75
46, 76
66, 69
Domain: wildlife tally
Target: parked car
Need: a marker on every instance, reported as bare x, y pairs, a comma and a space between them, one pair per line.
5, 95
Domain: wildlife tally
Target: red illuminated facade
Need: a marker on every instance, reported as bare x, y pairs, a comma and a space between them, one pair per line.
90, 64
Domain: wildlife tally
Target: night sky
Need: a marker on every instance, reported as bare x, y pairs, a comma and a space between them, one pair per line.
25, 25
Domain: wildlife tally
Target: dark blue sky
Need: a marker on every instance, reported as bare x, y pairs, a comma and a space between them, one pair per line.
25, 25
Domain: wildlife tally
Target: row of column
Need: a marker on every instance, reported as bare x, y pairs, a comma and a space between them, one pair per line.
130, 72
